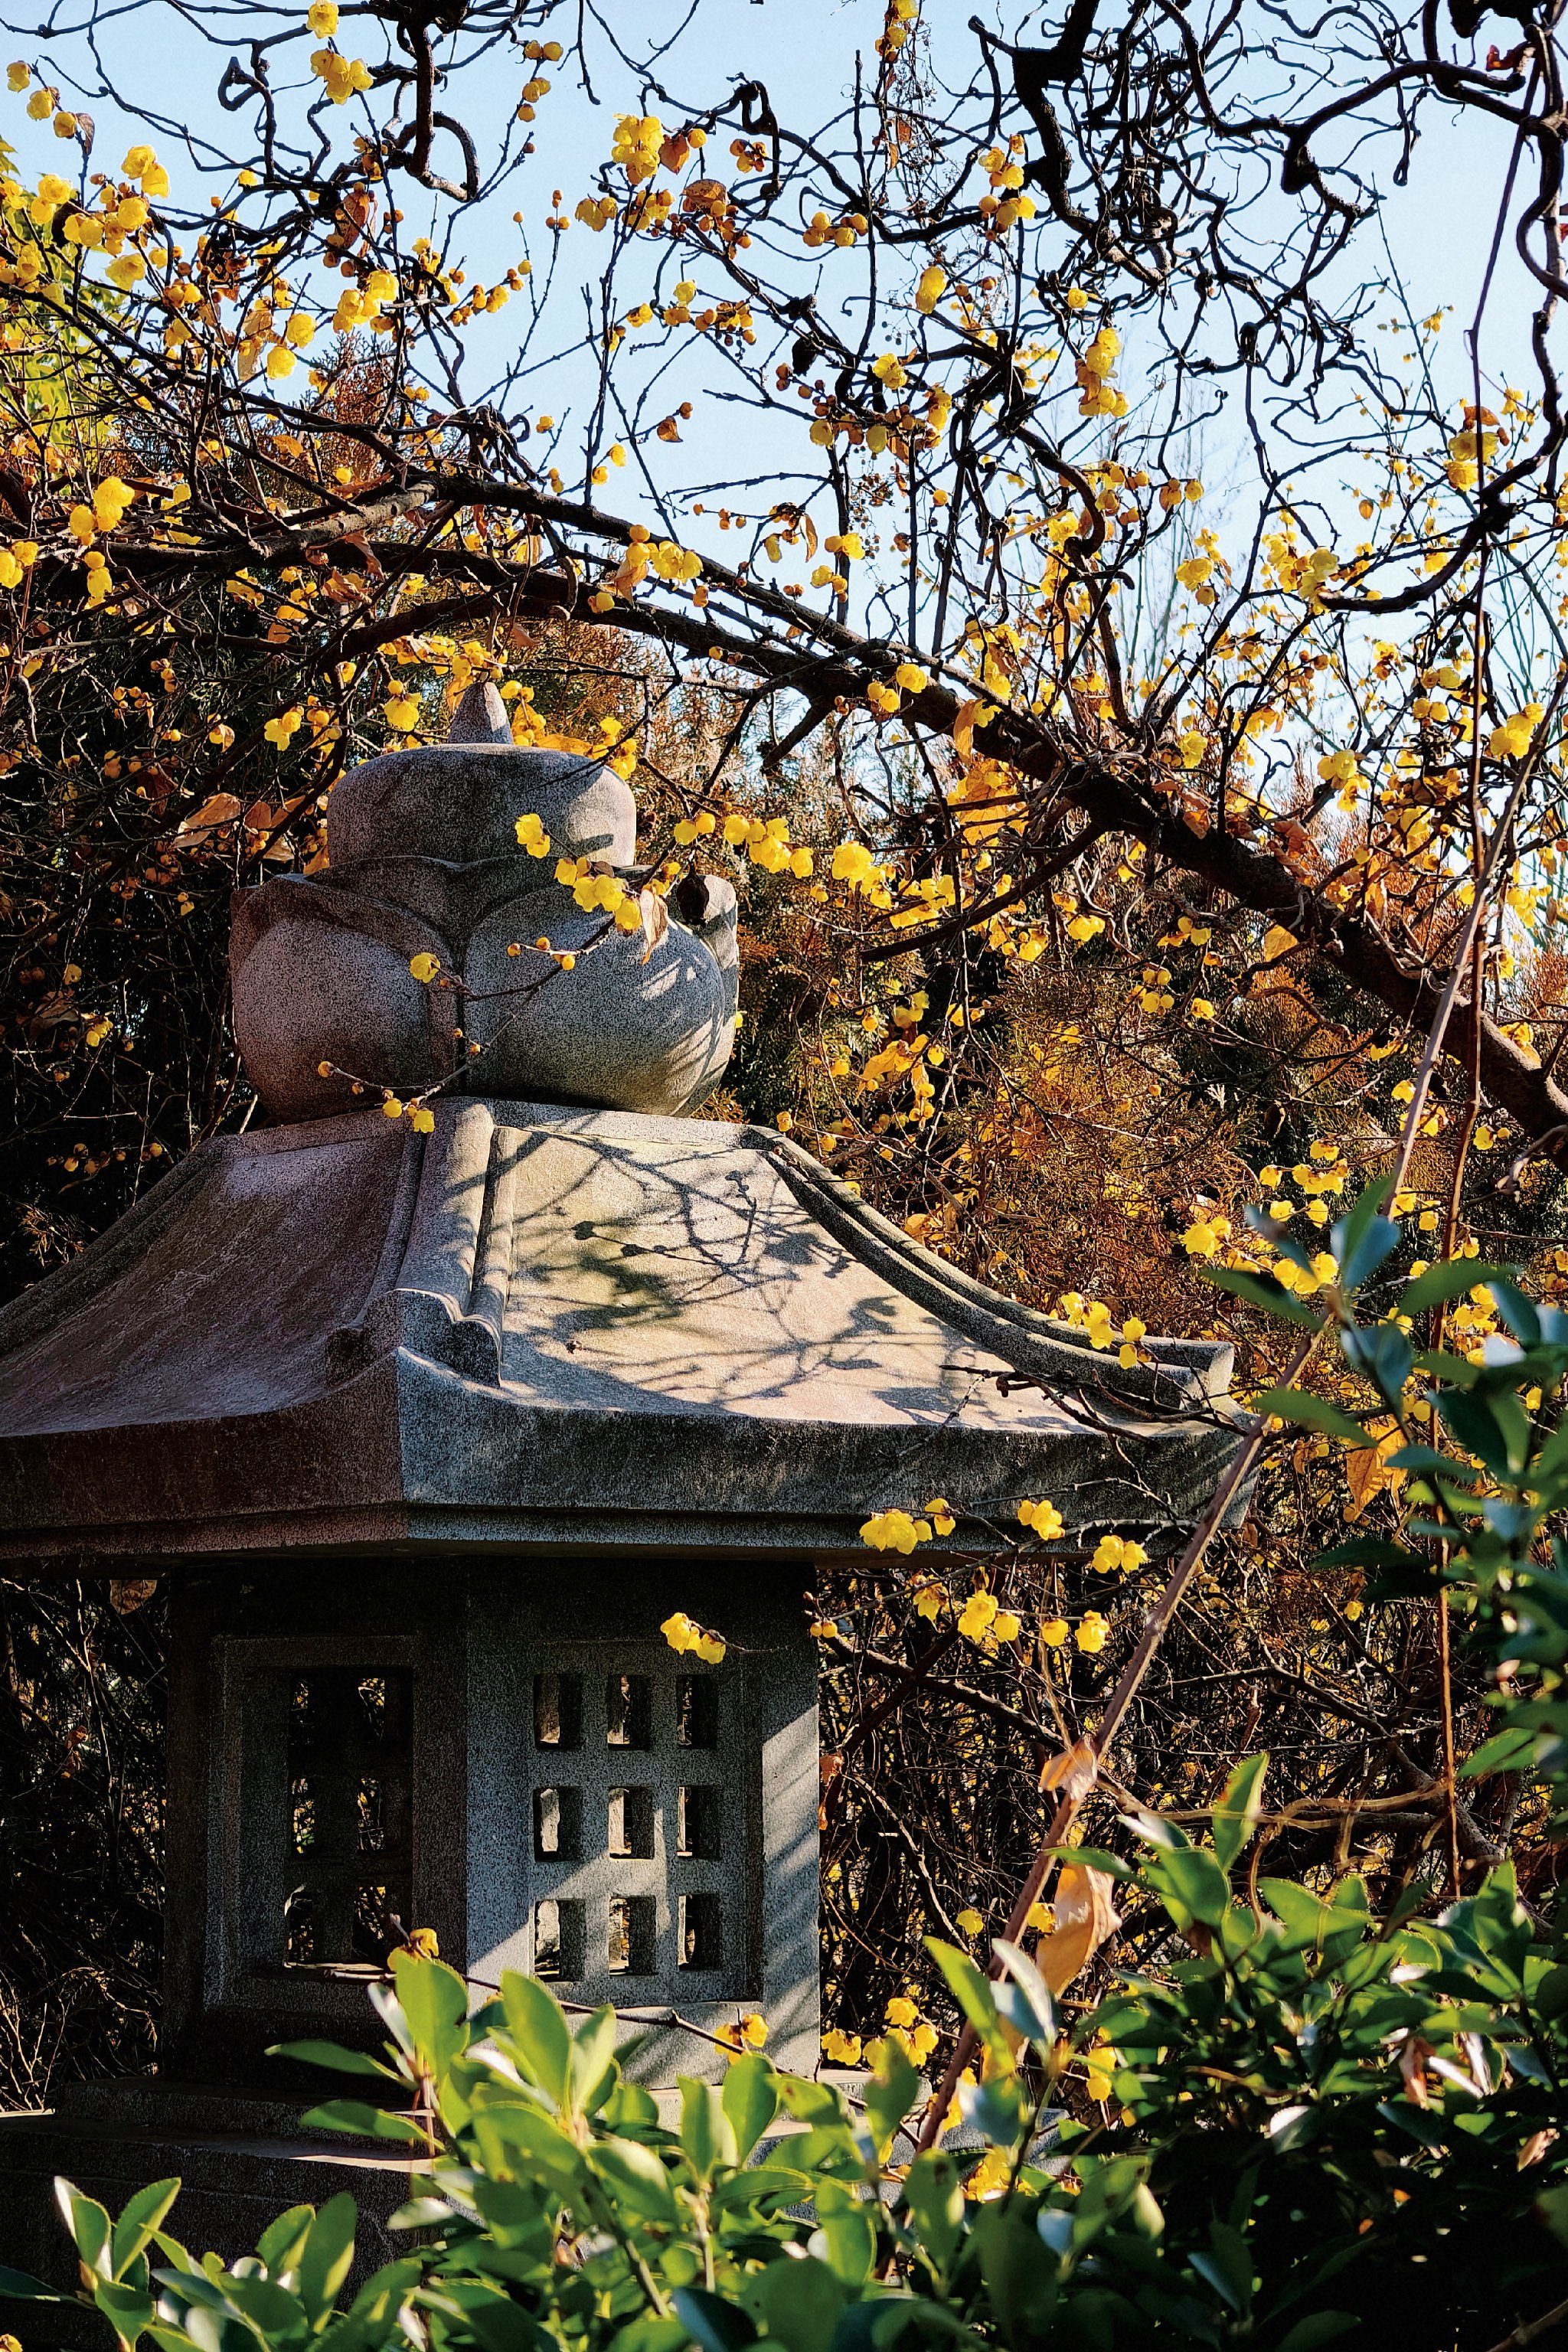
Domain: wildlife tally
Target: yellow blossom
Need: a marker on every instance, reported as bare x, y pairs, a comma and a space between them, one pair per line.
895, 1531
975, 1618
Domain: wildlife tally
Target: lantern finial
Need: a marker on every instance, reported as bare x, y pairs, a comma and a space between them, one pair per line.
480, 715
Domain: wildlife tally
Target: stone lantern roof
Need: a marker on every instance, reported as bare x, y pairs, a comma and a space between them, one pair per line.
540, 1325
561, 1316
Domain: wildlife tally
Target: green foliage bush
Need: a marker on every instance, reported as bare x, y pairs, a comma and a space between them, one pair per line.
1319, 2120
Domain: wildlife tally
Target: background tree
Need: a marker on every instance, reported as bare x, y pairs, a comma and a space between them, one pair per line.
838, 464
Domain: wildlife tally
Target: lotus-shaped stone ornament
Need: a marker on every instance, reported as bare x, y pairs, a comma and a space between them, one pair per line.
425, 861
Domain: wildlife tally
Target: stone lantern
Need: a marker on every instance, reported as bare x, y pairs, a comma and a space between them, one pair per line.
431, 1422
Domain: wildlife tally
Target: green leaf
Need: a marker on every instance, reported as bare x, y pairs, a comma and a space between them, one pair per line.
489, 2318
537, 2024
995, 2108
1372, 1552
1311, 1412
1451, 1279
1261, 1290
435, 2002
967, 1984
706, 2137
934, 2195
1505, 1751
798, 2303
1427, 1459
1517, 1311
751, 2100
355, 2115
714, 2325
327, 2255
515, 2138
138, 2220
755, 2183
1318, 2328
385, 2289
1034, 1993
1552, 2207
1195, 1880
845, 2235
19, 2286
128, 2309
636, 2176
333, 2055
1485, 1427
1306, 1917
1363, 1238
1235, 1816
891, 2090
1382, 1353
88, 2224
591, 2073
652, 2335
279, 2243
1098, 1857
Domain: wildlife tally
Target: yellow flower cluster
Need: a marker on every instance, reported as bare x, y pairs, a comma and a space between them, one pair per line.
929, 288
1324, 1273
820, 230
360, 306
766, 843
1099, 2065
915, 2033
1513, 740
662, 557
1118, 1556
281, 732
980, 1621
854, 863
895, 1531
343, 77
1044, 1518
1298, 575
636, 145
420, 1117
1005, 204
1095, 370
748, 2031
900, 23
599, 890
532, 836
684, 1635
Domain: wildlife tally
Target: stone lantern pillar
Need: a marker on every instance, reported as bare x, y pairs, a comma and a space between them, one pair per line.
432, 1422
